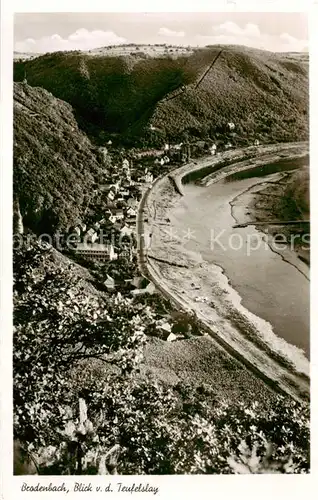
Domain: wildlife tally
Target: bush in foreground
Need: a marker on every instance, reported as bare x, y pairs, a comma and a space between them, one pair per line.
80, 406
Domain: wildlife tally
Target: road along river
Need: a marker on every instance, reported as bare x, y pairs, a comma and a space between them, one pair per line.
255, 305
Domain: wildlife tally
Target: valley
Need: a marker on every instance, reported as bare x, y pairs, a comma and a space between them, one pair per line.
125, 159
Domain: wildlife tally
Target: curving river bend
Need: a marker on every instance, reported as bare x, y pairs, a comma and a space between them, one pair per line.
246, 301
270, 286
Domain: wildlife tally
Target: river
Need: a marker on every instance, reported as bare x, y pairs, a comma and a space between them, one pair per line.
270, 287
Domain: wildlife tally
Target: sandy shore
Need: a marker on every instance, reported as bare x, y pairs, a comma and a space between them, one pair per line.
262, 202
241, 333
272, 199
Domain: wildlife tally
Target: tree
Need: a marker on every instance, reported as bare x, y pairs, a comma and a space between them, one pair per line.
56, 324
78, 393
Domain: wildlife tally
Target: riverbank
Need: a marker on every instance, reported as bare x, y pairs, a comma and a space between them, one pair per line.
272, 200
285, 199
238, 331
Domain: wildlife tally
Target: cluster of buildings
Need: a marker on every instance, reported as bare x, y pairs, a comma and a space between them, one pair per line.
120, 200
119, 218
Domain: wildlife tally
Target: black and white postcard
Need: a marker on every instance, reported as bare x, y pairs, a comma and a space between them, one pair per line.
156, 173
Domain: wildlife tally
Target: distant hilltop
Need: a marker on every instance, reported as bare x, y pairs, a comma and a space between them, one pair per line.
148, 50
140, 100
131, 49
23, 56
156, 50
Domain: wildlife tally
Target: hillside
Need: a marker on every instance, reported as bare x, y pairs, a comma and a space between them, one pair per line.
55, 165
263, 93
110, 377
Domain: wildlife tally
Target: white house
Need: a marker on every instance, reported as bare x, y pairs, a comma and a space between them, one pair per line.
167, 147
164, 328
91, 236
115, 216
171, 337
116, 186
111, 195
82, 227
118, 212
109, 283
231, 125
165, 331
150, 288
131, 212
149, 178
112, 254
126, 231
256, 142
124, 192
112, 219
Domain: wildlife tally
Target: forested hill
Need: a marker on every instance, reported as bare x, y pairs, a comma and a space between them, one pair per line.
55, 165
263, 93
74, 102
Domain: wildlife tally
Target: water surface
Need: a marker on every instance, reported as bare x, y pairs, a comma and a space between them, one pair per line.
270, 287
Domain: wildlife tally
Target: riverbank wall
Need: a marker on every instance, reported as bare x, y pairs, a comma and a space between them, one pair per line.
211, 168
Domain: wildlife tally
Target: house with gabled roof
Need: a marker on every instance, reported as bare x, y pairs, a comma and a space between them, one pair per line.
143, 286
131, 212
91, 236
109, 283
126, 230
111, 195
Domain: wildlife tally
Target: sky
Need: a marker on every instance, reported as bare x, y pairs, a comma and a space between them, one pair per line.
50, 32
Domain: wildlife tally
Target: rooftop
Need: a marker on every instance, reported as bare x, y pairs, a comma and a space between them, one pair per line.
99, 247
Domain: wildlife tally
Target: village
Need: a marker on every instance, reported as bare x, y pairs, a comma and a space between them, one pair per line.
111, 223
106, 241
115, 204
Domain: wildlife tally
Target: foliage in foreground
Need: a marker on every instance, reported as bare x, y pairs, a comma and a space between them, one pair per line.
61, 331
